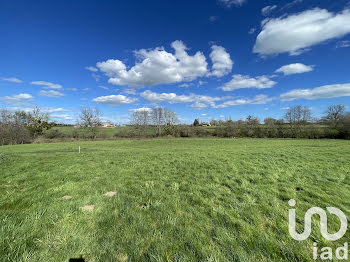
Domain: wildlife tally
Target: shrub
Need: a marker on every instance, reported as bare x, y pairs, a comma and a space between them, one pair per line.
128, 132
54, 133
13, 134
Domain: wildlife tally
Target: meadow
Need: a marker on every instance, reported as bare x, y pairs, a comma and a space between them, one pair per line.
181, 199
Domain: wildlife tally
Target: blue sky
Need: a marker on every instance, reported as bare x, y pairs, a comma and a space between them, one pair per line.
202, 59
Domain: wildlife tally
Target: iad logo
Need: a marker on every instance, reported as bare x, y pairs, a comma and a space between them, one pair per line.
326, 251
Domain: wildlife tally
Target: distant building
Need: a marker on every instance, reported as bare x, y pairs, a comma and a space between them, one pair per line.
205, 124
108, 124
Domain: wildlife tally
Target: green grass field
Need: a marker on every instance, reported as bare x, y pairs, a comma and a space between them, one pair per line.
176, 199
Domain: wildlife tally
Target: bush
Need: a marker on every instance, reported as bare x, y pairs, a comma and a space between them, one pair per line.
128, 132
12, 135
54, 133
171, 130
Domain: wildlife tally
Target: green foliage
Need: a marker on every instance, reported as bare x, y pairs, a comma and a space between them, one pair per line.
54, 133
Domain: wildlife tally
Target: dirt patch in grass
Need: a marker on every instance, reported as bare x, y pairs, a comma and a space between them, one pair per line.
111, 193
88, 208
66, 197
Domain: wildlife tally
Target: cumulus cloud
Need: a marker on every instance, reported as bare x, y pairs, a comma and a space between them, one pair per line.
12, 79
114, 100
91, 68
51, 93
199, 106
245, 81
296, 68
156, 67
200, 101
141, 109
222, 63
268, 9
46, 85
257, 100
16, 100
327, 91
171, 98
296, 33
229, 3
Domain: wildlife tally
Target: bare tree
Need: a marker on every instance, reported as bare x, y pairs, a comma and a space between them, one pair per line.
90, 117
141, 119
13, 130
298, 115
157, 115
334, 114
170, 117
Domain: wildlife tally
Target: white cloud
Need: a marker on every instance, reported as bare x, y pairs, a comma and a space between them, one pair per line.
114, 100
46, 85
296, 68
199, 106
91, 68
245, 81
171, 98
64, 117
204, 114
51, 93
200, 101
156, 67
298, 32
72, 89
12, 79
186, 85
16, 100
104, 87
251, 30
129, 91
327, 91
222, 63
342, 44
291, 4
268, 9
96, 77
229, 3
19, 108
257, 100
54, 110
141, 109
200, 83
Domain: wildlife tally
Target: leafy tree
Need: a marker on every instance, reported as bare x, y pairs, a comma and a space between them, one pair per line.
270, 121
196, 122
38, 122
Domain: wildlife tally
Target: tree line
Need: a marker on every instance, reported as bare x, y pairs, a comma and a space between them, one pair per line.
23, 127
